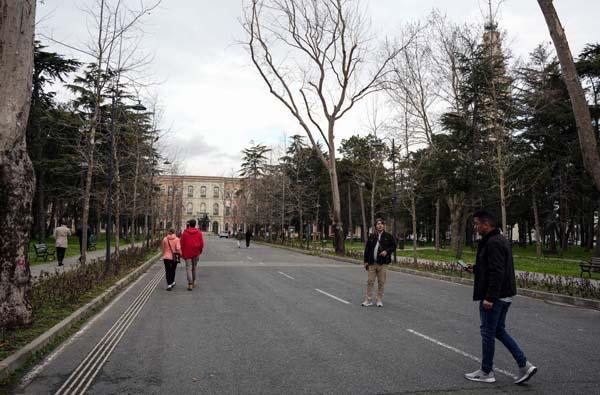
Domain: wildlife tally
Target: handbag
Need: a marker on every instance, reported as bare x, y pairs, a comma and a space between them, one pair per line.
176, 257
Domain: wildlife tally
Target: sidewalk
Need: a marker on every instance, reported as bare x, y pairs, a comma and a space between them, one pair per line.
72, 262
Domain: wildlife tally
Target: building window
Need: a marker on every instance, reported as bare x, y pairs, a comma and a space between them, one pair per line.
227, 210
216, 192
202, 191
170, 189
203, 208
216, 209
190, 191
227, 194
190, 208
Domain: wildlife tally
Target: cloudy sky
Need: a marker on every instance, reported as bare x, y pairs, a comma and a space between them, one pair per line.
213, 100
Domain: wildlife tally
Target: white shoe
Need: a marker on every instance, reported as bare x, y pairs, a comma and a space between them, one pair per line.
481, 376
525, 373
379, 303
367, 303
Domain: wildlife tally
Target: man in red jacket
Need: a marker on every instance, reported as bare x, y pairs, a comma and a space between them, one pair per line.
192, 244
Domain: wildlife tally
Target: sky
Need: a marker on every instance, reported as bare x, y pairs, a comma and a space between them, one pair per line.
213, 101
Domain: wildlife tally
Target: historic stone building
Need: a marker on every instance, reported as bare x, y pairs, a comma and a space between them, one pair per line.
212, 201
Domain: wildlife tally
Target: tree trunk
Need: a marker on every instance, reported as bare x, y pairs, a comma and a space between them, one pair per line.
335, 196
455, 204
40, 207
364, 217
17, 179
502, 189
413, 209
461, 233
587, 139
350, 229
437, 225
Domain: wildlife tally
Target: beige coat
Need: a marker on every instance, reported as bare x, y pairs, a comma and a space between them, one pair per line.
61, 234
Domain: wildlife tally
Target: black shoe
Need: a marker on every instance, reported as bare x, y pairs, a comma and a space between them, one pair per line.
60, 264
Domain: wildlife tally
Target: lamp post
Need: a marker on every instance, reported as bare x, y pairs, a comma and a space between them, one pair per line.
110, 178
139, 108
394, 196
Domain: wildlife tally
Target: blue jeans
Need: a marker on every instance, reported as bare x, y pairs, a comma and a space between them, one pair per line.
492, 327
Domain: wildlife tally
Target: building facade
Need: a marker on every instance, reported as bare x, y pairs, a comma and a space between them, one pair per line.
212, 201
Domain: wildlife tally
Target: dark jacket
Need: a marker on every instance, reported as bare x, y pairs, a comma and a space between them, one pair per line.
494, 268
386, 243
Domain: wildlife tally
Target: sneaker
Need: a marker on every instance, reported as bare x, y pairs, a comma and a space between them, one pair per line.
173, 284
481, 376
379, 303
367, 303
525, 373
190, 286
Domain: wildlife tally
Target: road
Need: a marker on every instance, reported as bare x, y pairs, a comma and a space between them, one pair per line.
269, 321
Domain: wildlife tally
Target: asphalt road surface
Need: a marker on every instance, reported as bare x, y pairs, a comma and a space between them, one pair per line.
268, 321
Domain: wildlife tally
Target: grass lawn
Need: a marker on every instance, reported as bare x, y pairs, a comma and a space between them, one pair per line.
73, 247
566, 264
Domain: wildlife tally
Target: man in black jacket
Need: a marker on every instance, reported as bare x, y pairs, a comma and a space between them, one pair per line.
494, 288
378, 251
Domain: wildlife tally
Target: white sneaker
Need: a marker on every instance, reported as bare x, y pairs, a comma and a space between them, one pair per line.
481, 376
525, 373
367, 303
379, 303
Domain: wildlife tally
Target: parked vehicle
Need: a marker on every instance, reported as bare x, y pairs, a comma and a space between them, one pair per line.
224, 234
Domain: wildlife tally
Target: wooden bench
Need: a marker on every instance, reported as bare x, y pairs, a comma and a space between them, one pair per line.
43, 251
592, 265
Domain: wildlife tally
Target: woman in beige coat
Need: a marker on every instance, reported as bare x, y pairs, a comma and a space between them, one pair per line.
61, 235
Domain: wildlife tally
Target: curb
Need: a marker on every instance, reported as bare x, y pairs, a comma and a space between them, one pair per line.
18, 359
558, 298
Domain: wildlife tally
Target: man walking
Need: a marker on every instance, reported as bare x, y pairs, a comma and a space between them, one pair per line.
378, 251
192, 244
248, 237
61, 237
239, 236
494, 288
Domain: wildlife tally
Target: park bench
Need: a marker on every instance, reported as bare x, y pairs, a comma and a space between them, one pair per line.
43, 251
592, 265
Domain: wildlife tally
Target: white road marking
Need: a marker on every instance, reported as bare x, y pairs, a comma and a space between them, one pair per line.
87, 370
37, 369
456, 350
332, 296
288, 276
261, 263
249, 257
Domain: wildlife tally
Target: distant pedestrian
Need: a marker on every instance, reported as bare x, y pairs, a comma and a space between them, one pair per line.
239, 236
192, 243
61, 237
171, 251
494, 287
248, 237
378, 251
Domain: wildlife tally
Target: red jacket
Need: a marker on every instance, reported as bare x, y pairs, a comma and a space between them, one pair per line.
192, 243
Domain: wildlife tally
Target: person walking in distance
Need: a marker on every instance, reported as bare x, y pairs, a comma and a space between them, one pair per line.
61, 237
239, 236
493, 288
171, 251
192, 243
248, 237
378, 251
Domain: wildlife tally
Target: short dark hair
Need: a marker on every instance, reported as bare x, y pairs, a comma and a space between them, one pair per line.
192, 223
485, 215
379, 220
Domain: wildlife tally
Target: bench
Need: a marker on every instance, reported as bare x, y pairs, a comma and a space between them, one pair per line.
91, 245
43, 251
592, 265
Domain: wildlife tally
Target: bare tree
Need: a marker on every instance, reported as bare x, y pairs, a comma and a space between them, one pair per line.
17, 180
313, 56
587, 139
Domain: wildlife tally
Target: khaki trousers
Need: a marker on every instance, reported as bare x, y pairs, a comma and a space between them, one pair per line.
379, 272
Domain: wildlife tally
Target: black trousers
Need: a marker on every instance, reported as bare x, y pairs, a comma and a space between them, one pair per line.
247, 242
60, 254
170, 266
